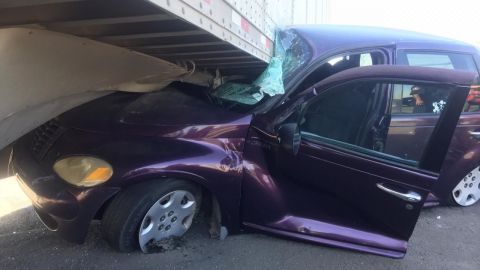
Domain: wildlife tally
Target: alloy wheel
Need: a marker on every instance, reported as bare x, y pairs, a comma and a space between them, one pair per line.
467, 191
170, 216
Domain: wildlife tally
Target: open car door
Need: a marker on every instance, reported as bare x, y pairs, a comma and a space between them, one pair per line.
327, 175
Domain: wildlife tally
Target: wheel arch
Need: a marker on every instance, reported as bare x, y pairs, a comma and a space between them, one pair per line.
450, 176
218, 212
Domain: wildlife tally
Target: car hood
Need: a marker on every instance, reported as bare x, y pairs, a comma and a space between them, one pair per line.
45, 73
169, 113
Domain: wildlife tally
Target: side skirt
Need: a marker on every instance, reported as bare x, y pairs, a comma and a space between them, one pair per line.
329, 242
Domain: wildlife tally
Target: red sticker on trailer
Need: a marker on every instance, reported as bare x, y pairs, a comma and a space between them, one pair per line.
207, 1
266, 42
245, 25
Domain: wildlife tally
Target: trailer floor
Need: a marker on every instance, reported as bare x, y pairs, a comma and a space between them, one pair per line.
445, 238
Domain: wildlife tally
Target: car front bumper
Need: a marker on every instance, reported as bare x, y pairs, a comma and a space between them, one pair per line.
60, 206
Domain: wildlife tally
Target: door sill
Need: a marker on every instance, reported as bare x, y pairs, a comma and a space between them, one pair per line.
329, 242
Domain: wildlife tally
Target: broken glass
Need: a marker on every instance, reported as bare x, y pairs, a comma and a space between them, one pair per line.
290, 54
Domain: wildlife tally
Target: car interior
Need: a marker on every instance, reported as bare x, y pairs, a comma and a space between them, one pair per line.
340, 63
346, 114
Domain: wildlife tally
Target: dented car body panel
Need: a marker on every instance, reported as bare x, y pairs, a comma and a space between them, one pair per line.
139, 152
45, 73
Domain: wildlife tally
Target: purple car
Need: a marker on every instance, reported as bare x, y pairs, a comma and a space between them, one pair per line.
373, 124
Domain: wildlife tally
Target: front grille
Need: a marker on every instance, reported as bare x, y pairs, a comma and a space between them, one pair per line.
45, 136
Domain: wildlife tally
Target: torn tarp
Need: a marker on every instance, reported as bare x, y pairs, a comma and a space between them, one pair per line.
288, 56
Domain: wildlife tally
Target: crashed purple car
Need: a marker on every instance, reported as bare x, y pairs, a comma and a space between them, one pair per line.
373, 125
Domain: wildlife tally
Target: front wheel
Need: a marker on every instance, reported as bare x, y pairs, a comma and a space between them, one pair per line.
467, 191
145, 215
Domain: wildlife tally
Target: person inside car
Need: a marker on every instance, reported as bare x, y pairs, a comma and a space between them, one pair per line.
421, 100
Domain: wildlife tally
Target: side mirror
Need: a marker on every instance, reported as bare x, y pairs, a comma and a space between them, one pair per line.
289, 137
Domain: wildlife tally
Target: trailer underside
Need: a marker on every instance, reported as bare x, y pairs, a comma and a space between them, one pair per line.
58, 54
146, 27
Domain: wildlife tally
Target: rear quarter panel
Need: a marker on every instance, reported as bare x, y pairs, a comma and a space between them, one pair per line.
463, 155
407, 134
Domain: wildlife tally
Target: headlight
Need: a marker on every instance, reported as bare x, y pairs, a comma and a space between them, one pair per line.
83, 171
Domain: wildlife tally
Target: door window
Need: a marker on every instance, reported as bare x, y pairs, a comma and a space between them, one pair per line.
356, 116
340, 114
415, 99
415, 110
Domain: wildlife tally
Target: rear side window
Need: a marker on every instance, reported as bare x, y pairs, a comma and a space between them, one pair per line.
445, 60
456, 61
429, 60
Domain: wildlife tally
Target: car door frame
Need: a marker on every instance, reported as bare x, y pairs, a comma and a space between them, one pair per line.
387, 50
261, 138
455, 167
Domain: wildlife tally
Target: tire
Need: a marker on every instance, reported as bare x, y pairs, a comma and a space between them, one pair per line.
127, 211
466, 192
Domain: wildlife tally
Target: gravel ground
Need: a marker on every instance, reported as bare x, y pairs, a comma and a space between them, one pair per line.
445, 238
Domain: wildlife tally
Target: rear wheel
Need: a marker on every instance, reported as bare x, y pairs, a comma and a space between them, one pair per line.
145, 215
467, 191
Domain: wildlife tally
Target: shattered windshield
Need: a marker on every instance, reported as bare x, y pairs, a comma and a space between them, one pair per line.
297, 55
291, 53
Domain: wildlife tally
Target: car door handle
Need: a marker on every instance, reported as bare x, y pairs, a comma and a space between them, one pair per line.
475, 134
410, 196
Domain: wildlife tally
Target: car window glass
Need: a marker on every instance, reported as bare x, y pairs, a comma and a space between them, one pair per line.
429, 60
444, 60
356, 116
366, 59
340, 114
415, 110
413, 99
